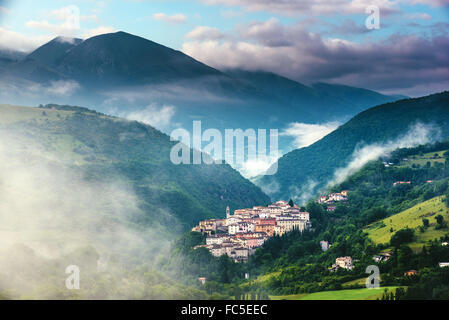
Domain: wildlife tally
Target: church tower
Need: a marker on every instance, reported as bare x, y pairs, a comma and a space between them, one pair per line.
228, 214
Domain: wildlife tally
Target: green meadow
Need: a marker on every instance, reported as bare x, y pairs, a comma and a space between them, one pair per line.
354, 294
380, 231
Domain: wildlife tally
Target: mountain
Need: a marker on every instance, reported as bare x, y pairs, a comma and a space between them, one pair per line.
12, 55
107, 148
335, 102
302, 172
51, 53
129, 59
122, 74
9, 57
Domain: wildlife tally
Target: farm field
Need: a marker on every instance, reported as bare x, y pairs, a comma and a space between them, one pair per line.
380, 231
422, 160
354, 294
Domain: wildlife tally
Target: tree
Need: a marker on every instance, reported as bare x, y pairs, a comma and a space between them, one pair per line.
291, 203
446, 199
425, 222
440, 222
402, 237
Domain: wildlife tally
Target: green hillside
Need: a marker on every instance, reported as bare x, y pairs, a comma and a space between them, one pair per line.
354, 294
423, 159
310, 168
106, 147
379, 232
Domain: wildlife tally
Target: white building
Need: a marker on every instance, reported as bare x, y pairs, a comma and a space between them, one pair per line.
217, 239
291, 223
232, 220
324, 245
233, 228
344, 262
245, 227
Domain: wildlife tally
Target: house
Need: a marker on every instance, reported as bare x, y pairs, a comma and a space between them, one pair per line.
401, 182
344, 193
382, 257
445, 243
322, 199
271, 221
443, 264
233, 220
268, 229
217, 239
244, 227
279, 230
324, 245
331, 208
241, 253
233, 228
337, 197
243, 212
301, 216
344, 262
411, 273
217, 250
202, 280
291, 223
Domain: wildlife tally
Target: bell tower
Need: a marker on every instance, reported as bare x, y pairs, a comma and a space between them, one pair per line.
228, 214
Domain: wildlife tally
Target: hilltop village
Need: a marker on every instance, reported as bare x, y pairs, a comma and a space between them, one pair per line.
240, 234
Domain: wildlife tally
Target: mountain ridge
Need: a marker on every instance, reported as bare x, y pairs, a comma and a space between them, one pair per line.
307, 169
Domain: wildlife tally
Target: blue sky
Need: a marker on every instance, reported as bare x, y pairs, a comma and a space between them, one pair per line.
306, 40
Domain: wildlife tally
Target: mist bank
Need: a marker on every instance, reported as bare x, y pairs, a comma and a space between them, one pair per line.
79, 188
53, 216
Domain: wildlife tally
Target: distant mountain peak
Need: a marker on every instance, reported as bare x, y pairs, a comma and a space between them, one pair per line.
70, 40
52, 52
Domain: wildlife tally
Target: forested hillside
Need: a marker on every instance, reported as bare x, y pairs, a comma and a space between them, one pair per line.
397, 205
308, 169
104, 147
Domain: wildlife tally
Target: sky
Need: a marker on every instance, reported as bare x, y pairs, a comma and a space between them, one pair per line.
306, 40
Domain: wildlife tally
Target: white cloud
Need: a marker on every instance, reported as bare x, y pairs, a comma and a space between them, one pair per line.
307, 57
256, 167
20, 42
311, 7
159, 117
416, 16
432, 3
417, 135
176, 18
306, 134
63, 87
68, 21
205, 33
97, 31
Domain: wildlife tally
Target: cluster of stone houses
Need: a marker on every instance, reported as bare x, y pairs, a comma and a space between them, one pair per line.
342, 262
382, 257
334, 197
240, 234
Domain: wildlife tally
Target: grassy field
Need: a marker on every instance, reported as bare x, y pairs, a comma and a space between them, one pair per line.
355, 294
356, 282
12, 114
379, 231
424, 158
